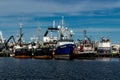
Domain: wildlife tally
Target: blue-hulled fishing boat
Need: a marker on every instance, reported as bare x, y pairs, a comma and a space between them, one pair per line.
65, 45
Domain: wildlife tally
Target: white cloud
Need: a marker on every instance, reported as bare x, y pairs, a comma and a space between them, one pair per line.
46, 7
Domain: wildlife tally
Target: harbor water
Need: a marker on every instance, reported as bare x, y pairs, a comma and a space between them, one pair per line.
37, 69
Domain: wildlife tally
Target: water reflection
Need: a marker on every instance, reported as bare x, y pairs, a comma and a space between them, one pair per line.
100, 59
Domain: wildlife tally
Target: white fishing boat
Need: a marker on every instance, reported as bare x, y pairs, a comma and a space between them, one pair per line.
85, 45
104, 46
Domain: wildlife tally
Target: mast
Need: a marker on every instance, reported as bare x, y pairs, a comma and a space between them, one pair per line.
21, 28
85, 33
21, 33
85, 36
62, 21
39, 29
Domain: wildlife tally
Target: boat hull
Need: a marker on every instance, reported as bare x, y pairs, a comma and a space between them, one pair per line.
64, 51
43, 53
22, 53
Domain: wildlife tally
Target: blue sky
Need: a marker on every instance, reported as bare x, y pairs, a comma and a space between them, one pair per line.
98, 17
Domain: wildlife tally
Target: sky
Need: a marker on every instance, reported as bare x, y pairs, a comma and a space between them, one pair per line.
98, 17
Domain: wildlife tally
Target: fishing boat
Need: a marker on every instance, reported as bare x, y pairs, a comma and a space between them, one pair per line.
65, 45
104, 47
49, 42
59, 41
21, 48
21, 52
41, 51
85, 47
44, 50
